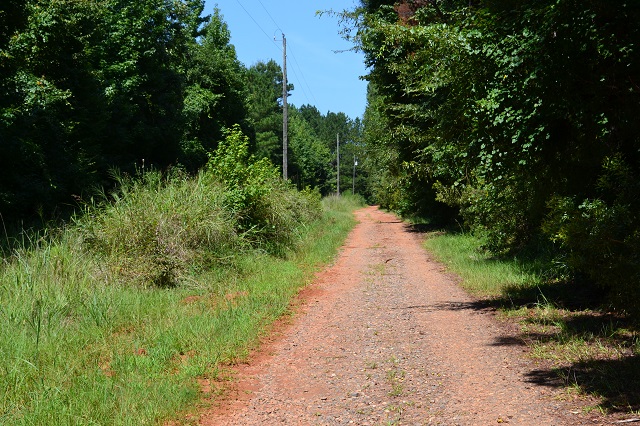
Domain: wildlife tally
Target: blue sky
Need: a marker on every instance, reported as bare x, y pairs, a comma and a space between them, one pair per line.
328, 80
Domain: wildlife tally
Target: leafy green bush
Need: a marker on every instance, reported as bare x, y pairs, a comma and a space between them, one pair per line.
268, 210
160, 228
601, 236
494, 212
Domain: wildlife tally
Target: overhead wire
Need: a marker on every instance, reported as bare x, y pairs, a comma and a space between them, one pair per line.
258, 25
272, 20
304, 80
295, 60
301, 86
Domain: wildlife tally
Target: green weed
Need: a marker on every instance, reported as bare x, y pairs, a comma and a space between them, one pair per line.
114, 319
481, 274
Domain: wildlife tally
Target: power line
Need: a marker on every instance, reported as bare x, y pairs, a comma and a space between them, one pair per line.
304, 80
272, 20
301, 86
258, 25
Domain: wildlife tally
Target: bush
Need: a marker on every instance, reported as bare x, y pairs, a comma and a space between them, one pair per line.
268, 210
600, 237
159, 228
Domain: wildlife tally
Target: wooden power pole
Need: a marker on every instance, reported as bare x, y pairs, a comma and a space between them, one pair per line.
338, 162
353, 180
285, 111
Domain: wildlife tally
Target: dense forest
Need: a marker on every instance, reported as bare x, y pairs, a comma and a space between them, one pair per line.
518, 119
92, 89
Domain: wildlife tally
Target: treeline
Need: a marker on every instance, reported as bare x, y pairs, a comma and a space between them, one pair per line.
89, 87
520, 117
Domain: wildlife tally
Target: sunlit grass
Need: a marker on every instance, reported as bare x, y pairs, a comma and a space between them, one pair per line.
481, 274
91, 332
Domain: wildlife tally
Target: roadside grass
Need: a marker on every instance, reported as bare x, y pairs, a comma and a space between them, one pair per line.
481, 275
116, 319
579, 345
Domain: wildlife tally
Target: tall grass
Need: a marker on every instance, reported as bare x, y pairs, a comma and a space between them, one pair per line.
161, 228
113, 320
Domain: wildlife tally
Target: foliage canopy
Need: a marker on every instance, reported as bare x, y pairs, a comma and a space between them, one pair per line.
521, 116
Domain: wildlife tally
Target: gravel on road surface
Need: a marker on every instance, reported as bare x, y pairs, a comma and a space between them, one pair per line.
386, 337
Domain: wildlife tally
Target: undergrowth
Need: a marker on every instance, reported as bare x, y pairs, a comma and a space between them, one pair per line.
116, 318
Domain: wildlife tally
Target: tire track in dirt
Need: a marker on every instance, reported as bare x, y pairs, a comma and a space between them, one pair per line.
385, 336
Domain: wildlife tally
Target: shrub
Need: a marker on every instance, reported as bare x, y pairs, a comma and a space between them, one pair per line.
600, 237
268, 210
159, 228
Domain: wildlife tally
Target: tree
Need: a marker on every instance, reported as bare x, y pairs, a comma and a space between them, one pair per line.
143, 83
48, 78
310, 158
215, 93
264, 80
518, 114
86, 87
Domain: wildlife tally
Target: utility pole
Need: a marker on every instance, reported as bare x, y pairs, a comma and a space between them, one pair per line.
353, 181
338, 162
285, 110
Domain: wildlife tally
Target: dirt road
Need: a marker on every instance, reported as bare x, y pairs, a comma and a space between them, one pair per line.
386, 337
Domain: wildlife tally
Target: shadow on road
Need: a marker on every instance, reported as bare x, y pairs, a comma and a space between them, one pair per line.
568, 317
617, 382
613, 377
